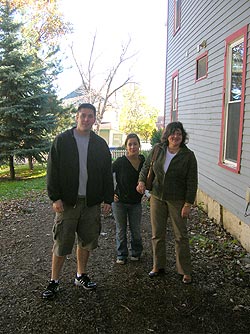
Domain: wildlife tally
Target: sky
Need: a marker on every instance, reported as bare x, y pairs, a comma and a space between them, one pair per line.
115, 22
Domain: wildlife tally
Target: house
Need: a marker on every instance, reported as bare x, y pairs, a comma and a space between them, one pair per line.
208, 90
112, 135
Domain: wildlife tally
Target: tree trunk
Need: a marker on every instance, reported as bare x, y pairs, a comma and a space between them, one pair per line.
31, 166
12, 168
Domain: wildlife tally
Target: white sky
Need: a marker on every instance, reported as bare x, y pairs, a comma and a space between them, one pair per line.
114, 21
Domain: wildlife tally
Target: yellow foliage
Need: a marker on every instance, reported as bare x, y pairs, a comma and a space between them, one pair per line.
44, 21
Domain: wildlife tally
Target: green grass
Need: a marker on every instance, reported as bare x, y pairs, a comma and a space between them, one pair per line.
27, 183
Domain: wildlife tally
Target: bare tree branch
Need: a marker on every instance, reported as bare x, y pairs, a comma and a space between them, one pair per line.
78, 67
100, 96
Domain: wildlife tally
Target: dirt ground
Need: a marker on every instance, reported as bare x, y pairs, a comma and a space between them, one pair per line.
126, 300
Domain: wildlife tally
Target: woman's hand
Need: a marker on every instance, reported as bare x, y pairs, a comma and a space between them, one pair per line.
106, 209
185, 210
141, 187
116, 198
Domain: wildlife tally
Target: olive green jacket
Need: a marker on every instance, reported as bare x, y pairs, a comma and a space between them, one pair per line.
181, 179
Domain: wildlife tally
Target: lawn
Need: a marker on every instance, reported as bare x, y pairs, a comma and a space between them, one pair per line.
26, 184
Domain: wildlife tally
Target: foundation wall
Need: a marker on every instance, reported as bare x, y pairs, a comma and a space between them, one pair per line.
231, 223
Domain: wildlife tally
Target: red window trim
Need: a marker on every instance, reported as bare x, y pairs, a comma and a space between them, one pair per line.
229, 40
203, 55
174, 75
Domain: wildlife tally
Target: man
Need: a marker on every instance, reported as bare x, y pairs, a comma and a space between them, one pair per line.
79, 179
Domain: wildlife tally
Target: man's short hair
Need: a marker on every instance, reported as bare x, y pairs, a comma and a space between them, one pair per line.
87, 106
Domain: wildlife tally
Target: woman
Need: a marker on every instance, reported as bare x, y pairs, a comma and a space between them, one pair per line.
127, 201
173, 193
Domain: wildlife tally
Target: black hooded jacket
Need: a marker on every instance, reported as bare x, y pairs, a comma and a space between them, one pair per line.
63, 170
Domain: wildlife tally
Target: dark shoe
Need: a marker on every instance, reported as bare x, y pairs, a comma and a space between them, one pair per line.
85, 282
156, 273
51, 290
187, 279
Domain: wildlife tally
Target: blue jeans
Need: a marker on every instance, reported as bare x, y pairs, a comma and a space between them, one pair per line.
130, 213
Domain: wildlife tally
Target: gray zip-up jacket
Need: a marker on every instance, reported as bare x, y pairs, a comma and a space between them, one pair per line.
181, 179
63, 170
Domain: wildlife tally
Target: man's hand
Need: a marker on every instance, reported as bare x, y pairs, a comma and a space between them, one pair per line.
58, 206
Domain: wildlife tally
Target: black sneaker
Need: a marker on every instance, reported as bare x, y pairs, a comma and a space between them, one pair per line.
51, 290
85, 282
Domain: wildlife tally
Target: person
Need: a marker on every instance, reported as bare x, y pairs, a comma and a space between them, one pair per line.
79, 180
127, 201
173, 193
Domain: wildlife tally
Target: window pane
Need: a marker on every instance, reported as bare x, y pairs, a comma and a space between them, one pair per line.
174, 98
117, 139
178, 13
201, 67
233, 124
236, 72
174, 94
174, 118
233, 99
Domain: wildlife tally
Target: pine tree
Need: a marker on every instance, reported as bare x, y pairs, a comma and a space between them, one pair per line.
28, 104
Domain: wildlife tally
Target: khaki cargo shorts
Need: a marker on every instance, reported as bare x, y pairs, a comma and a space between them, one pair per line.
80, 222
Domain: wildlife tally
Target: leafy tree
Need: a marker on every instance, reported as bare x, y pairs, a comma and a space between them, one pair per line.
65, 120
156, 136
44, 23
28, 104
137, 115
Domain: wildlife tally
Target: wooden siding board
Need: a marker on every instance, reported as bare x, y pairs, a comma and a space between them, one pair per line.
233, 186
224, 197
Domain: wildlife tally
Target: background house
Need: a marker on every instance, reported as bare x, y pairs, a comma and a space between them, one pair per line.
112, 135
208, 89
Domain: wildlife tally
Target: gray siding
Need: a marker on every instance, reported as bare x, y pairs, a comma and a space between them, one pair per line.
200, 103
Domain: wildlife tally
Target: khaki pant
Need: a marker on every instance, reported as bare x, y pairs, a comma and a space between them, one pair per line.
160, 211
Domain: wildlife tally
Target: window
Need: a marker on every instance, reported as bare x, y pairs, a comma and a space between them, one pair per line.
117, 139
201, 67
174, 97
233, 100
177, 15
